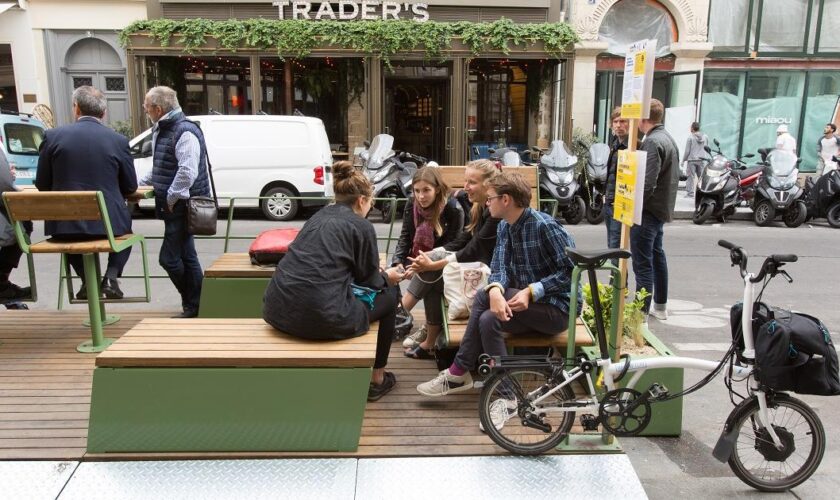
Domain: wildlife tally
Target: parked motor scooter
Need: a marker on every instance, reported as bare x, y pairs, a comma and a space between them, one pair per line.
593, 180
389, 172
777, 192
557, 181
724, 184
822, 197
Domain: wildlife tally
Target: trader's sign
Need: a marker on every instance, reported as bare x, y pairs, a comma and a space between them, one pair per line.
349, 10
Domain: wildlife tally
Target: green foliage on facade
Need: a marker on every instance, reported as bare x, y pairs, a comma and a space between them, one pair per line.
298, 38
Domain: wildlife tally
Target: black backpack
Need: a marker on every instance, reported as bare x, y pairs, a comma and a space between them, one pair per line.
794, 352
762, 313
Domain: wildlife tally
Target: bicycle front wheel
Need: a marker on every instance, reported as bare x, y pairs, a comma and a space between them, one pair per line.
757, 461
513, 422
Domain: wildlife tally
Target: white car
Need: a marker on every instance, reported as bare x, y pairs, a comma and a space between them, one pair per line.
259, 155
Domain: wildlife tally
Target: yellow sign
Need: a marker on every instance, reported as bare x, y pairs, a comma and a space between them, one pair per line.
639, 65
632, 111
638, 80
629, 187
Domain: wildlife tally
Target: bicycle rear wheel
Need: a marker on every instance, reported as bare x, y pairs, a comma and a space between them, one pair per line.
505, 408
757, 462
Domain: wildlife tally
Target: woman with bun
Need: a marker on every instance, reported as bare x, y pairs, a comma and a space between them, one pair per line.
329, 284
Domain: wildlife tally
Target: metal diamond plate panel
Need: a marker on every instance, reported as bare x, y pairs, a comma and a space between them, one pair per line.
34, 480
205, 479
567, 476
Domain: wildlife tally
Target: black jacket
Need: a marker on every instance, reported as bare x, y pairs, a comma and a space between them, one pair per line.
612, 164
309, 295
478, 245
662, 173
88, 156
451, 219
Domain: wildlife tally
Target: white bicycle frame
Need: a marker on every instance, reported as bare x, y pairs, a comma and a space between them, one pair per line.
638, 366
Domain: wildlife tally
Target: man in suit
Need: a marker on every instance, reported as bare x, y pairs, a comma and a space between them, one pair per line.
89, 156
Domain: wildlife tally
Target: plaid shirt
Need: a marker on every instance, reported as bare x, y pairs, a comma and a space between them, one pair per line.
532, 252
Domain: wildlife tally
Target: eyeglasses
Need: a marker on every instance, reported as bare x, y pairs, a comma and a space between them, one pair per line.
487, 201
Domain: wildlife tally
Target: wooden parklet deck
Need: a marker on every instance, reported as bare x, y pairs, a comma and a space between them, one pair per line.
45, 388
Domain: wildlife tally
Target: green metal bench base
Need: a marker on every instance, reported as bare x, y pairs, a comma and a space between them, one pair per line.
227, 409
232, 297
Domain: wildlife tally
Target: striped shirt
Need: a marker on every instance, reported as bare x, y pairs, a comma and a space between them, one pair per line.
531, 252
188, 154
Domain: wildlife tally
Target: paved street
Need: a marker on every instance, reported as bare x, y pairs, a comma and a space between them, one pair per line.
702, 287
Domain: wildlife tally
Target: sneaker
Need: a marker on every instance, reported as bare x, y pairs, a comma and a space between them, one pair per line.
415, 338
500, 411
446, 383
659, 311
376, 391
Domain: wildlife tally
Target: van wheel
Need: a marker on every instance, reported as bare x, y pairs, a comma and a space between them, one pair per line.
278, 206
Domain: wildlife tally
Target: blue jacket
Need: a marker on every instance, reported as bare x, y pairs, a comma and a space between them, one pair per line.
165, 163
88, 156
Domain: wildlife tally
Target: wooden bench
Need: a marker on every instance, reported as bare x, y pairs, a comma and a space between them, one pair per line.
234, 288
238, 385
31, 205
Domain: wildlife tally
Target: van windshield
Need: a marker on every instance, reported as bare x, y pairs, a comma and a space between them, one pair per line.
23, 139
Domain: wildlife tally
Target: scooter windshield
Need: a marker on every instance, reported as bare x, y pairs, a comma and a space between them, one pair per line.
719, 163
599, 153
556, 157
782, 163
379, 150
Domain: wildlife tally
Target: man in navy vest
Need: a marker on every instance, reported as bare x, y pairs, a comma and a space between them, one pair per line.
89, 156
179, 171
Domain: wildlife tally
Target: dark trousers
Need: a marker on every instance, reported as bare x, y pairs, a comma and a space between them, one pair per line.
9, 259
385, 311
116, 260
613, 229
484, 330
179, 258
649, 264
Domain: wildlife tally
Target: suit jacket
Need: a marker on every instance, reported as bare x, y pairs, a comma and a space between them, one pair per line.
88, 156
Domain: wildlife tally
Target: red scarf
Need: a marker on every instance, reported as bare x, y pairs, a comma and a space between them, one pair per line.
424, 233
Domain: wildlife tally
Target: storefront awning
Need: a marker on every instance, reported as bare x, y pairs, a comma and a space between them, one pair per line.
4, 6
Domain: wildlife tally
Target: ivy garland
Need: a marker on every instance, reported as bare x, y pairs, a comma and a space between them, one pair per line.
385, 39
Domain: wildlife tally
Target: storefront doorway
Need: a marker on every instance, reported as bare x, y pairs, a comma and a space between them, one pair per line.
417, 110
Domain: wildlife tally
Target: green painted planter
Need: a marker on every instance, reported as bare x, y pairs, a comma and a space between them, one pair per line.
666, 419
232, 297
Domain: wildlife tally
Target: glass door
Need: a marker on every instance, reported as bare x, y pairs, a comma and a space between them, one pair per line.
681, 106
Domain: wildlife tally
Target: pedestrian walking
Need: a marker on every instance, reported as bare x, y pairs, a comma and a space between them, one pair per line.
662, 175
784, 140
618, 142
694, 158
827, 147
179, 171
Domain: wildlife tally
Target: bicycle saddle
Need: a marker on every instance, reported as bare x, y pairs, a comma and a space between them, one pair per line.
593, 257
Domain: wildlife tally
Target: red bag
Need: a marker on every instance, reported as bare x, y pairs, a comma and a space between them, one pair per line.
270, 246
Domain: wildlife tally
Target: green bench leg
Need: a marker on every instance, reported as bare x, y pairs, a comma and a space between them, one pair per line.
96, 309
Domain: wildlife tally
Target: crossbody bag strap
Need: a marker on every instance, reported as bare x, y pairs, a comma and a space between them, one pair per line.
210, 175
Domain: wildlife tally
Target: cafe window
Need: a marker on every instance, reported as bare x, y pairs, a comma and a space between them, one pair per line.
821, 107
8, 92
768, 27
720, 114
829, 24
205, 84
497, 105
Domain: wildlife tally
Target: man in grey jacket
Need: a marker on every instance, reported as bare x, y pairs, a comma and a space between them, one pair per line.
694, 158
662, 174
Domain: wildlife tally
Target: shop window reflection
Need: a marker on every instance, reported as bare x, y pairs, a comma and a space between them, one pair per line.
497, 110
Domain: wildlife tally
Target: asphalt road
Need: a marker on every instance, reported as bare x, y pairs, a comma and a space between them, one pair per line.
702, 288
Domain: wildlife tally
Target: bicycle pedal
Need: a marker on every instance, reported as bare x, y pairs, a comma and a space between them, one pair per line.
658, 391
589, 422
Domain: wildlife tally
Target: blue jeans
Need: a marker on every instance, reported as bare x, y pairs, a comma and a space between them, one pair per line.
484, 330
649, 263
613, 229
179, 258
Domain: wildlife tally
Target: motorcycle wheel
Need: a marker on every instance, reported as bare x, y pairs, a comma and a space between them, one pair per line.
703, 212
795, 215
764, 213
595, 216
574, 213
833, 215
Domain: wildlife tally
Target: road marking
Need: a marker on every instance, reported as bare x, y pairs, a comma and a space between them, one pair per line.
688, 314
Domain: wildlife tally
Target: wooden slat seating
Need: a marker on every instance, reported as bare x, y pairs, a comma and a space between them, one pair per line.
235, 385
453, 331
234, 288
32, 205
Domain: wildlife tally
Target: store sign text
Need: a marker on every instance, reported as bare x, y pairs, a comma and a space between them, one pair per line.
349, 10
773, 120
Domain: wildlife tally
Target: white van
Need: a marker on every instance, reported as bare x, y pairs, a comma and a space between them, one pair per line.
259, 155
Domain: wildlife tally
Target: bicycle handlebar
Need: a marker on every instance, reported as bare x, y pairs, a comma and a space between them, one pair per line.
771, 264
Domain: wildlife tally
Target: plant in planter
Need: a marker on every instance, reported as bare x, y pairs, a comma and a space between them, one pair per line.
633, 315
